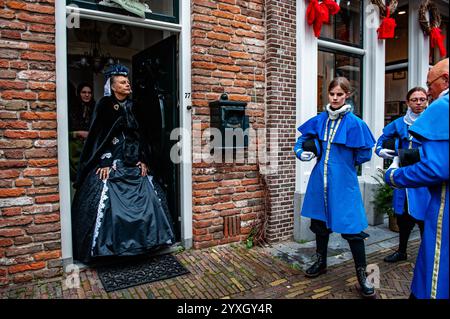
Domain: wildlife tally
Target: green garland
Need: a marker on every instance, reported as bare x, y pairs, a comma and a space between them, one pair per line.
435, 17
382, 7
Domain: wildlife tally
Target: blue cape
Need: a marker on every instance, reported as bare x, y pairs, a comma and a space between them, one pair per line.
352, 131
437, 114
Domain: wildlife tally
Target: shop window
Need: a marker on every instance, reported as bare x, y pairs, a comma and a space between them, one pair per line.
346, 26
162, 10
396, 88
396, 76
397, 48
332, 64
395, 94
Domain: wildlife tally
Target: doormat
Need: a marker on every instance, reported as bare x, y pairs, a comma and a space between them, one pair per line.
139, 272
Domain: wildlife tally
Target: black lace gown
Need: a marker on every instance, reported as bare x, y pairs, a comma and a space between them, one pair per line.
126, 214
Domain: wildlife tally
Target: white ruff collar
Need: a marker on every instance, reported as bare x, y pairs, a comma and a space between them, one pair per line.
410, 117
334, 114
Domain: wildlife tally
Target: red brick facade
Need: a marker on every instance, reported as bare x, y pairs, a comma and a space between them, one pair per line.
228, 56
29, 200
280, 106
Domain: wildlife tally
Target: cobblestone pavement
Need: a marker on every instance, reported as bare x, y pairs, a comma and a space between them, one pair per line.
234, 272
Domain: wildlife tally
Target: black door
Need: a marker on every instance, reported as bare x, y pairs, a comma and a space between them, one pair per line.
155, 93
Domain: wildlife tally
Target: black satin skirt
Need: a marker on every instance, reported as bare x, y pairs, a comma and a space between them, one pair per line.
124, 216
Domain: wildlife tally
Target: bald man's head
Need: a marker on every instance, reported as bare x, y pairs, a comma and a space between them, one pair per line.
437, 79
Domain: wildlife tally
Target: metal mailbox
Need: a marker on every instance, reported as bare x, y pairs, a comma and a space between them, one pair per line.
229, 116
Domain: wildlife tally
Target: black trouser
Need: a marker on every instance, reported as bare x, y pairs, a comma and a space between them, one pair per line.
355, 241
406, 224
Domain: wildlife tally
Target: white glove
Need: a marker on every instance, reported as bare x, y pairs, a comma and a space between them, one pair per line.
307, 156
386, 153
395, 163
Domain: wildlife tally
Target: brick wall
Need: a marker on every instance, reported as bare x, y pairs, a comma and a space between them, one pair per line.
281, 95
29, 200
228, 56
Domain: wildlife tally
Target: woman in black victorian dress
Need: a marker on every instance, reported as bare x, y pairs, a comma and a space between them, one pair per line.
118, 208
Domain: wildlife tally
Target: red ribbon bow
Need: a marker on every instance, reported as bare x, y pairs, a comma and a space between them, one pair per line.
319, 13
387, 27
437, 39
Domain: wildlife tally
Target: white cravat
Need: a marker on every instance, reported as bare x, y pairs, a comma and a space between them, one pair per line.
334, 114
410, 117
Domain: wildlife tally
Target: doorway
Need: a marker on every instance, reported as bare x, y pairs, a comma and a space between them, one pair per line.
155, 94
151, 56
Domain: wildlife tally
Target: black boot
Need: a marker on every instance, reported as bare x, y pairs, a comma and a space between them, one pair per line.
397, 256
359, 256
366, 288
318, 268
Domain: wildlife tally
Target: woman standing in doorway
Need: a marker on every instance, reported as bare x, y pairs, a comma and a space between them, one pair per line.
409, 204
118, 209
340, 141
80, 113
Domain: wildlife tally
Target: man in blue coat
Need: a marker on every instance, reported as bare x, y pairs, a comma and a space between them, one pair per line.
430, 279
409, 204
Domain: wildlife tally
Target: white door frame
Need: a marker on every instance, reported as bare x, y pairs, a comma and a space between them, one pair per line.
183, 29
418, 48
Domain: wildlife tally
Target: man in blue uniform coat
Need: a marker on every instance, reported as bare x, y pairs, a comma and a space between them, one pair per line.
409, 204
430, 279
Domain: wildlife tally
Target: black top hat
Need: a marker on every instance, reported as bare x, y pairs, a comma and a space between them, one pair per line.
408, 156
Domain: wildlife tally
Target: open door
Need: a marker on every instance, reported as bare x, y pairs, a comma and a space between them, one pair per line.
155, 93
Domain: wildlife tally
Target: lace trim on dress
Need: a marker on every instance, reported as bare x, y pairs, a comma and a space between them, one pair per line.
150, 179
100, 214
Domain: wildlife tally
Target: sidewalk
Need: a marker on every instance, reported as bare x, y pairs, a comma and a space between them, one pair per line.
300, 255
234, 272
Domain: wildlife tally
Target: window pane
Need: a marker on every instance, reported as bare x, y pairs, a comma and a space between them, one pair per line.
332, 64
345, 26
164, 7
396, 87
397, 48
164, 10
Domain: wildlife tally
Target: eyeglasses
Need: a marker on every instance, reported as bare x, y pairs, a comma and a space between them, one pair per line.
430, 83
415, 100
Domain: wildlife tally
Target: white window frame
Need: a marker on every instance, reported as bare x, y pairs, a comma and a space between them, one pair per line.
418, 48
184, 31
